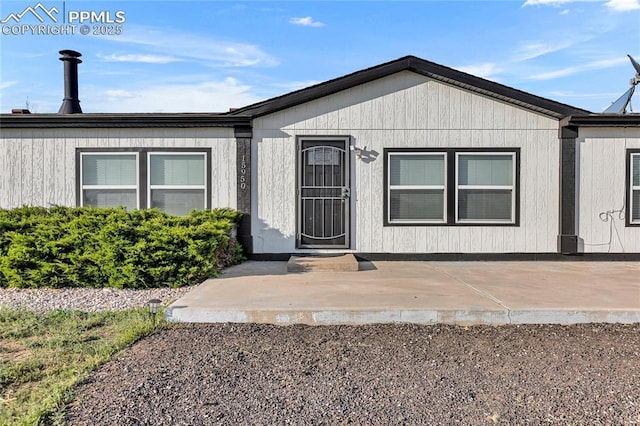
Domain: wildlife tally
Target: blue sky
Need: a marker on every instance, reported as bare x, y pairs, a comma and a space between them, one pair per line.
208, 56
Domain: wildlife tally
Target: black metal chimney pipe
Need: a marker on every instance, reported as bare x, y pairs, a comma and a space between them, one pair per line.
70, 103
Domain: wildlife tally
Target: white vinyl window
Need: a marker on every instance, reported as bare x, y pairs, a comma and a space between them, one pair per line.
485, 187
634, 189
417, 187
109, 180
177, 181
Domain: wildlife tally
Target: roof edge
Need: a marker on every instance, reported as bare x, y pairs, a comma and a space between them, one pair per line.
420, 66
124, 120
602, 120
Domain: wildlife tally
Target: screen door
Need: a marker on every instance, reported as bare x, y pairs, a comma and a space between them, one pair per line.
323, 193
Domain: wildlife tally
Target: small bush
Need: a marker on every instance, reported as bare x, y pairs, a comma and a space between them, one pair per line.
94, 247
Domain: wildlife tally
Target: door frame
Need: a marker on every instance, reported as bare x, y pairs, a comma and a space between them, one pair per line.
347, 202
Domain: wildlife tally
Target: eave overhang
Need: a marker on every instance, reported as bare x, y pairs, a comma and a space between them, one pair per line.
602, 120
124, 120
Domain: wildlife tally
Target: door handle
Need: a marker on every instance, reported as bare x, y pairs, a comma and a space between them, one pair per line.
346, 193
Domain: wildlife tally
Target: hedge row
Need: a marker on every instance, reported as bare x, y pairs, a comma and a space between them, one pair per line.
95, 247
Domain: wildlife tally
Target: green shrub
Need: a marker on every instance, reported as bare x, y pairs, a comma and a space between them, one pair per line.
92, 247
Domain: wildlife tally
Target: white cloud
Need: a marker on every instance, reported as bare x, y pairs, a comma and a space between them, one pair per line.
532, 50
185, 46
147, 59
486, 70
623, 5
7, 84
307, 21
564, 12
545, 2
119, 95
207, 96
615, 5
564, 72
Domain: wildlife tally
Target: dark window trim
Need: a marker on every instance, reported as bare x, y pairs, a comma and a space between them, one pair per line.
450, 158
627, 188
142, 169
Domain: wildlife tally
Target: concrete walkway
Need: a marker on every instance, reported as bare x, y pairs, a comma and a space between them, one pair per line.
419, 292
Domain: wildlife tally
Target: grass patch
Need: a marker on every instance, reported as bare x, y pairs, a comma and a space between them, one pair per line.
43, 356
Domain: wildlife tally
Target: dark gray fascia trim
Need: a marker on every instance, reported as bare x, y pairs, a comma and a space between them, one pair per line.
243, 131
602, 120
243, 188
429, 69
567, 238
49, 121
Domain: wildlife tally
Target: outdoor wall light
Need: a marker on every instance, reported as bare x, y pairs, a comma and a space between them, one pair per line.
356, 150
154, 306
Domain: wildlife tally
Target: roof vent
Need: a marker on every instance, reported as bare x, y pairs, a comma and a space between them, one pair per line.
70, 103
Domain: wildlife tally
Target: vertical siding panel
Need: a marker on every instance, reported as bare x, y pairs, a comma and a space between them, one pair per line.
46, 170
343, 110
27, 172
600, 190
332, 114
453, 237
443, 107
476, 112
422, 106
499, 113
433, 116
376, 182
532, 194
466, 120
454, 108
70, 169
322, 108
5, 172
552, 153
410, 103
584, 168
431, 240
400, 101
487, 113
14, 161
59, 177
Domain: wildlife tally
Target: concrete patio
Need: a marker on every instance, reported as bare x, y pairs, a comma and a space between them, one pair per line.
419, 292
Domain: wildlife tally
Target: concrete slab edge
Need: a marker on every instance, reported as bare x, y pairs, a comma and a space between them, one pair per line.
361, 317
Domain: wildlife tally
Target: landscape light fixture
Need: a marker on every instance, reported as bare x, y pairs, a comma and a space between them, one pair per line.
154, 306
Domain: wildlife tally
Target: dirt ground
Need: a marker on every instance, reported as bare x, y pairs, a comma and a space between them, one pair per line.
206, 374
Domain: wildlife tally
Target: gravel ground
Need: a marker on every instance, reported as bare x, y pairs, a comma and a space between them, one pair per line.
376, 375
86, 299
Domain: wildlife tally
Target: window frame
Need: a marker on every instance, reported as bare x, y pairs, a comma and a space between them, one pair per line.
143, 169
451, 187
151, 187
630, 188
83, 186
389, 187
511, 187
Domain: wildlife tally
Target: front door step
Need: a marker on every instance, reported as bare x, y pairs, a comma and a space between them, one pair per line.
318, 263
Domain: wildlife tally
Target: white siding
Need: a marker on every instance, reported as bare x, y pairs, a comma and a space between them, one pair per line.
407, 110
602, 193
38, 167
